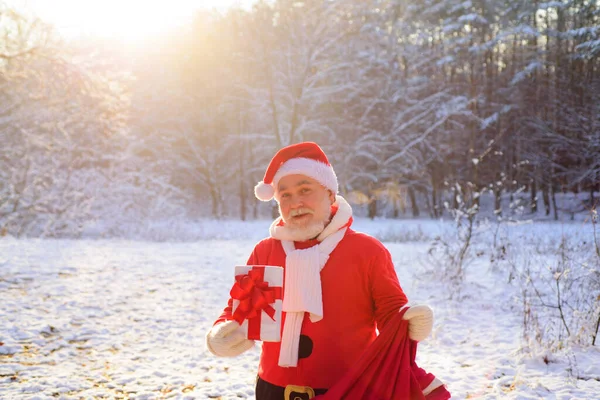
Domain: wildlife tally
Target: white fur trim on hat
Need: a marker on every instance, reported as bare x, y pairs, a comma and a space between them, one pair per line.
321, 172
264, 191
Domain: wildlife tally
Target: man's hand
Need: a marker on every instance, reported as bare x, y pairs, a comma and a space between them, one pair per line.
420, 322
227, 340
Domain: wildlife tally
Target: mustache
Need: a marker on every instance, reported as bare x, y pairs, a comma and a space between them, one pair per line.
300, 211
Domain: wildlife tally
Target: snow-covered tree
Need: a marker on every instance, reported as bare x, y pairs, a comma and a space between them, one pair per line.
57, 117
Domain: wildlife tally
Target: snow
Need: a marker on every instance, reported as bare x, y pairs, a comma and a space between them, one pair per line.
461, 6
445, 60
472, 17
590, 45
127, 319
531, 68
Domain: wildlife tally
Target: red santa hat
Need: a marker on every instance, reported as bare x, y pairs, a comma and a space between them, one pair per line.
305, 158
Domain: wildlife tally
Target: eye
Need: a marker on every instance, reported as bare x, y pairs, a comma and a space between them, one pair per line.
285, 195
305, 190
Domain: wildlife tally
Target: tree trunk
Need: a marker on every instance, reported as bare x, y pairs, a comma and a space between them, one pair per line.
546, 197
372, 209
413, 201
243, 206
215, 202
428, 204
553, 196
498, 201
455, 204
434, 202
273, 104
402, 203
533, 198
243, 194
255, 202
435, 179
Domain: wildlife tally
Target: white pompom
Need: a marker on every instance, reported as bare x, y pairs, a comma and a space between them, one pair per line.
263, 191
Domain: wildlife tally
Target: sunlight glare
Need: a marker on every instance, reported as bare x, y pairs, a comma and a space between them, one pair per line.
129, 20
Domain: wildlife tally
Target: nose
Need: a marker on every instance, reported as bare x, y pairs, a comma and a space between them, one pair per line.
296, 201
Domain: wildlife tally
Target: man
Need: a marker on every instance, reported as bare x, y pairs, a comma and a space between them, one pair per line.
339, 287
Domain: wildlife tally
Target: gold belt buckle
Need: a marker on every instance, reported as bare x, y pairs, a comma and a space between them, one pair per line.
290, 389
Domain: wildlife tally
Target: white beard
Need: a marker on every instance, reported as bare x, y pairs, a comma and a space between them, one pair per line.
280, 230
301, 234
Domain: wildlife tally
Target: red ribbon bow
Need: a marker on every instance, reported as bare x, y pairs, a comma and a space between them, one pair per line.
254, 295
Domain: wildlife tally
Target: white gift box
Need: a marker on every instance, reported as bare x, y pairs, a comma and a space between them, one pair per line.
268, 280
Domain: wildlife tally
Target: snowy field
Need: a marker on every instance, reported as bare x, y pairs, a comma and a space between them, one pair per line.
127, 319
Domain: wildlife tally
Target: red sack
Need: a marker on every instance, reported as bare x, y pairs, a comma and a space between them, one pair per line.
386, 370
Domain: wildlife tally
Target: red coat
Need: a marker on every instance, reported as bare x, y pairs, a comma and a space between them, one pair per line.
361, 292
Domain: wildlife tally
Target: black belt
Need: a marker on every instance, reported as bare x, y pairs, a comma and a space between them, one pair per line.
268, 391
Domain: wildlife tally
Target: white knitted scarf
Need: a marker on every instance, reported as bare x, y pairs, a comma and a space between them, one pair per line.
303, 278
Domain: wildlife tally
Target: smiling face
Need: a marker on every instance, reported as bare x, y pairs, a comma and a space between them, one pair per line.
304, 205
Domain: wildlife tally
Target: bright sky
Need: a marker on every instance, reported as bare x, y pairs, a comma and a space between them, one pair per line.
131, 20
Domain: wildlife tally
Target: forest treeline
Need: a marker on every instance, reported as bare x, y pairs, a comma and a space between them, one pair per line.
415, 102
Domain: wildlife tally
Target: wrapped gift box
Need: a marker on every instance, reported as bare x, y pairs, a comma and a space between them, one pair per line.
257, 299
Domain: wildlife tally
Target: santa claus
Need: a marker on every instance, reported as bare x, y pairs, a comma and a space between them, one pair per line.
340, 287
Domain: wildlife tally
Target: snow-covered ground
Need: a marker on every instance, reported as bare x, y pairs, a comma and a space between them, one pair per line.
127, 319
